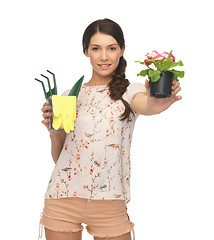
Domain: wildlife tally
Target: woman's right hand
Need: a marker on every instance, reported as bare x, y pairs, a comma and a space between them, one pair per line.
46, 114
57, 139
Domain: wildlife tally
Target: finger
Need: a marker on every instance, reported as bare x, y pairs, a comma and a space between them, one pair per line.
147, 85
46, 108
174, 92
175, 85
46, 122
177, 98
46, 104
47, 115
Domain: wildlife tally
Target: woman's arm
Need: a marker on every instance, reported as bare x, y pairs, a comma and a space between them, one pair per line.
57, 142
57, 139
139, 104
144, 104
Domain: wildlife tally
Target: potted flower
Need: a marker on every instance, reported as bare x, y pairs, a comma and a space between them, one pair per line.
161, 73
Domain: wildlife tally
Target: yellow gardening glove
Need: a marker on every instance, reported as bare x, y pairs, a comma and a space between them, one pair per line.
64, 111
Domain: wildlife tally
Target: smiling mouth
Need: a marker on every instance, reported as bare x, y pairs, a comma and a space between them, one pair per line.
104, 65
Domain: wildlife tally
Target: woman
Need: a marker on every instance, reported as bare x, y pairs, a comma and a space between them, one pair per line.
91, 180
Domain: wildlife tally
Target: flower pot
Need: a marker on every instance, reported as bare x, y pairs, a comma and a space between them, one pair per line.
163, 87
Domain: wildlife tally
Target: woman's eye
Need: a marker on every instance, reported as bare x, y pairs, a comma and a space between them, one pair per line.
112, 48
95, 48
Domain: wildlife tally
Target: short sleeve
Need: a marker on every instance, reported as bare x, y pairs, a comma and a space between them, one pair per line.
132, 89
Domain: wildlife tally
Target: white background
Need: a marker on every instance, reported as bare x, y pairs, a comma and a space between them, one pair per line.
172, 153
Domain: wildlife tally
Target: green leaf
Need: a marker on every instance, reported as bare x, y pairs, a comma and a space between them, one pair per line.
180, 63
167, 64
173, 64
181, 74
141, 62
151, 72
169, 56
150, 60
177, 74
143, 73
155, 76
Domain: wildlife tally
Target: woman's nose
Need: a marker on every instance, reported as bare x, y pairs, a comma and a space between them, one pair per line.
104, 55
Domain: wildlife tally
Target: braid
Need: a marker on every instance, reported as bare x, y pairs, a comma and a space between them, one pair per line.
118, 86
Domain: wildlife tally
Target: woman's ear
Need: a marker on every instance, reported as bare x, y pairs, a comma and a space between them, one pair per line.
86, 53
122, 51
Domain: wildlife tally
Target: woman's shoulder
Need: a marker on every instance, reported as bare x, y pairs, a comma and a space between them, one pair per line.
132, 89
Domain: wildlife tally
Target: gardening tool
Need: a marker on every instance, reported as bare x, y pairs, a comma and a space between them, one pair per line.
62, 107
52, 91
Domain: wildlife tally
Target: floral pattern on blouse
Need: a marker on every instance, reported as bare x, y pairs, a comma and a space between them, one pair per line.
95, 160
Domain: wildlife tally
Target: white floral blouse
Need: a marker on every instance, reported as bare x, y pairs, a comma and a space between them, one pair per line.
95, 159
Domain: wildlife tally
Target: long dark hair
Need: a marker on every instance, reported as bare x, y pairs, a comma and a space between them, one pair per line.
119, 83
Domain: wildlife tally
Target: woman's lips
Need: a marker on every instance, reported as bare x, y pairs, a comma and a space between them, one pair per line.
104, 66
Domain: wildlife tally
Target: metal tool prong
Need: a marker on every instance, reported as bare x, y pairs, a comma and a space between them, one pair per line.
49, 93
54, 89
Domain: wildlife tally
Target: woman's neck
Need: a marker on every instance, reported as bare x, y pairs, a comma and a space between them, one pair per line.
97, 80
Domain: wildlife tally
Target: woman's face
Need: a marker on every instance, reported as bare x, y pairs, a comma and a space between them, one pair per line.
104, 53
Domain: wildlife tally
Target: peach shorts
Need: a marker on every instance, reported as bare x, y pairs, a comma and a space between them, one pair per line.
103, 218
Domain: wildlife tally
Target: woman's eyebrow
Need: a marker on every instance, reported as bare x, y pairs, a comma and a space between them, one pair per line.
94, 45
97, 45
113, 44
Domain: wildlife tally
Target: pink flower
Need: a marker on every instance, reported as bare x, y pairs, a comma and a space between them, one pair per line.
153, 55
156, 56
165, 54
172, 58
147, 63
160, 57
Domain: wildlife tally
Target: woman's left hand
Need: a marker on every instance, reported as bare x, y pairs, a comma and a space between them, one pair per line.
158, 105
